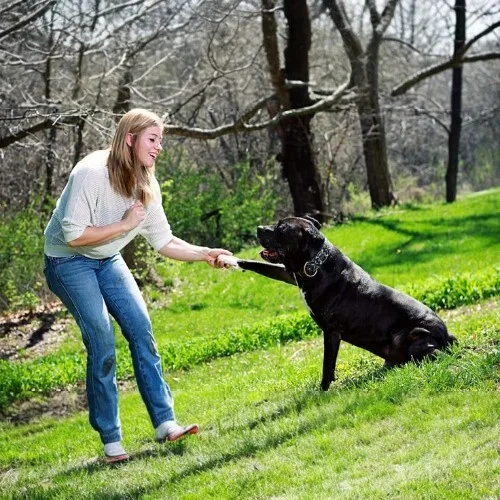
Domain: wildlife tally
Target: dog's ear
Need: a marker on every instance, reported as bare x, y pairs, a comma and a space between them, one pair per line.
316, 224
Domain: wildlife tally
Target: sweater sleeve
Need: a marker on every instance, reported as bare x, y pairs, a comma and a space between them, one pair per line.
80, 199
156, 228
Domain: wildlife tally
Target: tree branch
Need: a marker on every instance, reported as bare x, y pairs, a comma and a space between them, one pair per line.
242, 125
374, 15
439, 68
51, 120
421, 111
402, 42
352, 43
23, 22
12, 6
387, 15
485, 32
344, 95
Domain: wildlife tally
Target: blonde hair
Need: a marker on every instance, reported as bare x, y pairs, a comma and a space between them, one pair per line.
127, 176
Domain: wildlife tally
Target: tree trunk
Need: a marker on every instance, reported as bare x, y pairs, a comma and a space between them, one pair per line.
297, 156
299, 168
364, 76
375, 154
373, 133
456, 107
50, 159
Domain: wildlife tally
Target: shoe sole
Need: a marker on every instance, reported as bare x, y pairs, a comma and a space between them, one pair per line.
190, 429
116, 459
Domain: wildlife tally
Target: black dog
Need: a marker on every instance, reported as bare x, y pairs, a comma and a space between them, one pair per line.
344, 300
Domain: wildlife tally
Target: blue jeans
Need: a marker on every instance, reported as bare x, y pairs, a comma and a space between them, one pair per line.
92, 289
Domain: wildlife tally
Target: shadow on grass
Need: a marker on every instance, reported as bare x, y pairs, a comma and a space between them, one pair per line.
274, 437
258, 435
444, 237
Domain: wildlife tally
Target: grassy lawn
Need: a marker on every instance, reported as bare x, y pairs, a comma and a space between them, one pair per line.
428, 431
401, 248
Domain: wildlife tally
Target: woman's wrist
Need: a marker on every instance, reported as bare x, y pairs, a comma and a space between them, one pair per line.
123, 226
205, 252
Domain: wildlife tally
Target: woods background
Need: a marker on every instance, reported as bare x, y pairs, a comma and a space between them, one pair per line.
273, 107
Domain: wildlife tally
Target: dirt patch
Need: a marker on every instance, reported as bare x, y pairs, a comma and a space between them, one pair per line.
489, 305
31, 334
60, 404
27, 335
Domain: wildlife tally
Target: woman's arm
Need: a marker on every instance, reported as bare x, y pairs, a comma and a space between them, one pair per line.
96, 235
182, 250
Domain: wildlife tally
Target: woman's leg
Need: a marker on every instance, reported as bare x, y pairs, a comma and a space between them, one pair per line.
127, 306
74, 281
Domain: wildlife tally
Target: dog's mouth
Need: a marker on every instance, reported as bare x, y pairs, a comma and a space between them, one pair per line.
272, 256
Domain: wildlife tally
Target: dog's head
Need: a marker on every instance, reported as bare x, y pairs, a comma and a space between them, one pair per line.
291, 241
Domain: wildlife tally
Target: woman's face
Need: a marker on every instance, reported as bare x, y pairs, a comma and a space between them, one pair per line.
146, 144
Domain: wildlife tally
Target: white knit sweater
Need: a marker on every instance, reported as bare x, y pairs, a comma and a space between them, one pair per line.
89, 200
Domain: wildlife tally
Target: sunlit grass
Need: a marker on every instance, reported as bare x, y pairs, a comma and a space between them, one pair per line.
423, 431
267, 431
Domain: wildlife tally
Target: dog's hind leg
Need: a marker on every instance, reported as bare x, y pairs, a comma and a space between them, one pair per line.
331, 350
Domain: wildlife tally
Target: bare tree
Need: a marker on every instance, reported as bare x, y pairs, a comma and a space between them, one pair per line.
460, 56
296, 156
456, 106
364, 76
201, 63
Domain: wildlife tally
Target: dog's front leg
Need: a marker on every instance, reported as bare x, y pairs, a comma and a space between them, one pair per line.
331, 350
273, 271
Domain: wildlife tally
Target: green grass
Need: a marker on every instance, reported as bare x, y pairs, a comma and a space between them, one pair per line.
416, 432
254, 362
444, 255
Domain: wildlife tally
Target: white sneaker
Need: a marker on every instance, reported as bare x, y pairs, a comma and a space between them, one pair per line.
171, 431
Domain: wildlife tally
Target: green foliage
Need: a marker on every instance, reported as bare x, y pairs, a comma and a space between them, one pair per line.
459, 290
202, 208
40, 376
21, 259
267, 431
488, 174
183, 355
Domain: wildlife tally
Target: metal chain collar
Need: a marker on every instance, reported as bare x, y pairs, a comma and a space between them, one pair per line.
311, 267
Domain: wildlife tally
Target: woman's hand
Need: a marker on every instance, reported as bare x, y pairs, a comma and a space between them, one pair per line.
134, 215
212, 259
93, 235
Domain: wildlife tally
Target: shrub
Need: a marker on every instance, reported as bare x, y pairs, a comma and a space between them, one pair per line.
203, 209
21, 260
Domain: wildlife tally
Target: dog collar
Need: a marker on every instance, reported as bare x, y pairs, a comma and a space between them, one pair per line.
311, 267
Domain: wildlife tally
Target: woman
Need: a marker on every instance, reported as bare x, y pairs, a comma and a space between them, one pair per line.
111, 196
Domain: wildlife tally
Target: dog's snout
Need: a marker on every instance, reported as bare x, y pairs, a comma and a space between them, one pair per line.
263, 230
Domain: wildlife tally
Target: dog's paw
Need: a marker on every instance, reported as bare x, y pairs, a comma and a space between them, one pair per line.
229, 260
325, 385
